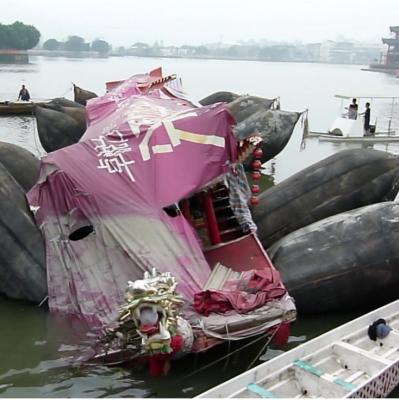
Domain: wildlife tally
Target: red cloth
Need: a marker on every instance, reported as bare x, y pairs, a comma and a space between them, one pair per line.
254, 289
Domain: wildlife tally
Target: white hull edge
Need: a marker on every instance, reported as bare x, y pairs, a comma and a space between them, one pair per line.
348, 139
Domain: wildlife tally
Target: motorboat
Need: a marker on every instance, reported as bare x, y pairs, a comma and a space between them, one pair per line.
347, 128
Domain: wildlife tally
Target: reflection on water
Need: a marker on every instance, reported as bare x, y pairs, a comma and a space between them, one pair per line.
21, 130
44, 347
37, 349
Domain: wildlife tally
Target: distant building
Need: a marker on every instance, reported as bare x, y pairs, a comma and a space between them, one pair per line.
392, 55
345, 52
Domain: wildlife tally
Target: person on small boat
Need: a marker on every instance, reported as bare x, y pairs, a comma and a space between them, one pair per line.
352, 110
366, 125
24, 94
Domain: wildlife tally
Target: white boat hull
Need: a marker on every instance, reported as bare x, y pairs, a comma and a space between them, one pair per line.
344, 362
378, 138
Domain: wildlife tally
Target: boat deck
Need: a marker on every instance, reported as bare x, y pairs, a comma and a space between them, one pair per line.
329, 366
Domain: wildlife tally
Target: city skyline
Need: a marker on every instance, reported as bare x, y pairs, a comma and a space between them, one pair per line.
123, 22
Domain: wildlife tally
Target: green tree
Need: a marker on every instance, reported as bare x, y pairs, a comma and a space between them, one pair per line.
18, 36
51, 44
75, 43
101, 46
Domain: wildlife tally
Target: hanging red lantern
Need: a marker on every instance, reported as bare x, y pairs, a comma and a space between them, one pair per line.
258, 152
254, 200
255, 189
256, 164
256, 175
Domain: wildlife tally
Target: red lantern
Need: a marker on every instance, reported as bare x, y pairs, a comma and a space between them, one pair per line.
254, 200
258, 152
256, 164
256, 175
255, 189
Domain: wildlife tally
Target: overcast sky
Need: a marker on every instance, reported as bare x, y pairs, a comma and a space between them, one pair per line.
124, 22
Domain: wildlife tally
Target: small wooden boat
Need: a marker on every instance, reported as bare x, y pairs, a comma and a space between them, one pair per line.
19, 107
344, 362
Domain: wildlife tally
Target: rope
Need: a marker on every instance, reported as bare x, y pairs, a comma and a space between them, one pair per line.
305, 129
43, 301
70, 88
228, 345
276, 103
264, 347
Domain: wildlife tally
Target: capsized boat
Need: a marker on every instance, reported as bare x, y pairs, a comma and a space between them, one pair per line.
350, 128
149, 238
357, 359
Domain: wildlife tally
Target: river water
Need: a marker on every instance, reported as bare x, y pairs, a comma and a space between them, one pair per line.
37, 349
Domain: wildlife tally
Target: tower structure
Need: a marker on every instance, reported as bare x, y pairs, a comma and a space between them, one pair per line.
392, 57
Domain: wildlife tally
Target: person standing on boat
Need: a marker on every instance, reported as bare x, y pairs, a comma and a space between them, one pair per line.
366, 125
352, 110
24, 94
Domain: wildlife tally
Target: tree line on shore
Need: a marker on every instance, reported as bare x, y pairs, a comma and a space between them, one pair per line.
77, 44
18, 36
23, 37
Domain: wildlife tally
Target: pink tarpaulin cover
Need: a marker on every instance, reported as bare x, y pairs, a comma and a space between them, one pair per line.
144, 149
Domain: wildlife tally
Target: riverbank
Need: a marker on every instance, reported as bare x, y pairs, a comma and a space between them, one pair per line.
10, 56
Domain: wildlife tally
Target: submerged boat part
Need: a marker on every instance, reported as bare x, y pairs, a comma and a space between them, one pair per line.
22, 257
344, 181
20, 163
57, 129
343, 262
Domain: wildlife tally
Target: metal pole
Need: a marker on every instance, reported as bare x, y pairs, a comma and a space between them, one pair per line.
390, 118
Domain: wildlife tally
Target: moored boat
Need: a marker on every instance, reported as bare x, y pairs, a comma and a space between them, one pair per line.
19, 107
357, 359
349, 125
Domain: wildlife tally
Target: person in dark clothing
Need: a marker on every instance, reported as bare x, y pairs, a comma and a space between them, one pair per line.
366, 124
24, 94
352, 110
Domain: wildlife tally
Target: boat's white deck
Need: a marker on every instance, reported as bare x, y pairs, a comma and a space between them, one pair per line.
332, 367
